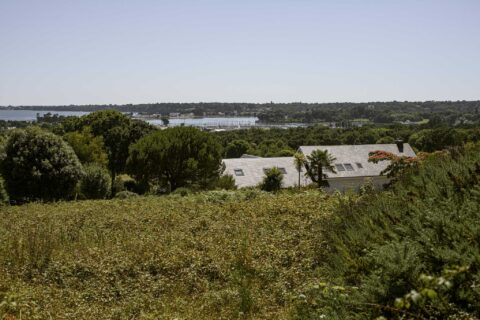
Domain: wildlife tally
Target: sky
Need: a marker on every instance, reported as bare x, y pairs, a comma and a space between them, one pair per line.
61, 52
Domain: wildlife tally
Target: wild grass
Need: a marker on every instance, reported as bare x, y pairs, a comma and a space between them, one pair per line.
218, 255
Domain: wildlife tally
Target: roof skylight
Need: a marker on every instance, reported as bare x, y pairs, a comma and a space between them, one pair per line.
238, 172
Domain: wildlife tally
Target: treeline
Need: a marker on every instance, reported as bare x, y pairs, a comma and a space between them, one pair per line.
447, 112
89, 157
285, 142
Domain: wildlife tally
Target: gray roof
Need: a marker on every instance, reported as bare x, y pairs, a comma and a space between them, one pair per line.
353, 154
245, 155
253, 173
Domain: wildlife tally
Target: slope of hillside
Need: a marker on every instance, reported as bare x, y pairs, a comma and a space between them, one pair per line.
409, 253
215, 255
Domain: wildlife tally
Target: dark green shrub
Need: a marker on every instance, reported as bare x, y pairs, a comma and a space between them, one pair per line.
236, 148
226, 182
182, 192
390, 245
124, 182
273, 180
39, 165
96, 183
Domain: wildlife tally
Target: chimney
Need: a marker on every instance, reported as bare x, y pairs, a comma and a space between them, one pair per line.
399, 143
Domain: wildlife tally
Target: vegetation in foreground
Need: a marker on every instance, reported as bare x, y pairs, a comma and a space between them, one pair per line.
409, 253
215, 255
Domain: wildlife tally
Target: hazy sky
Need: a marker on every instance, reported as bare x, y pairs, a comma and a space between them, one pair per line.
138, 51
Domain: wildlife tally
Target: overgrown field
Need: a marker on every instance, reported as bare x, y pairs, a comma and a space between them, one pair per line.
216, 255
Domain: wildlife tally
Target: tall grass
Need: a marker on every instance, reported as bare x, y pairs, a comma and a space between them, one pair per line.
209, 256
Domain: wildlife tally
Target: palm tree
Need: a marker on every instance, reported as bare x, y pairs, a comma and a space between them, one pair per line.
299, 162
316, 162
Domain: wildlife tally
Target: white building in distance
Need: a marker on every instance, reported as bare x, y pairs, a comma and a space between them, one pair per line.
249, 171
351, 165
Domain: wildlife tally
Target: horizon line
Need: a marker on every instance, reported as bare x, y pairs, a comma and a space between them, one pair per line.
236, 102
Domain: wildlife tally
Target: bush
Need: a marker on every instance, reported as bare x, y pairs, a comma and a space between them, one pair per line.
226, 182
409, 252
3, 193
126, 195
96, 182
124, 182
182, 192
272, 181
39, 165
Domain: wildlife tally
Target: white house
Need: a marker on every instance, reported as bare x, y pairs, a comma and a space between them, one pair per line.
351, 166
249, 171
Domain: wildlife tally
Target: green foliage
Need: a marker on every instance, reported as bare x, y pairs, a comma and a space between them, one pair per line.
87, 147
321, 300
182, 191
39, 166
4, 199
117, 131
236, 148
299, 162
226, 182
316, 163
430, 140
176, 157
385, 140
273, 180
274, 148
125, 195
96, 183
221, 196
383, 244
193, 257
278, 142
124, 182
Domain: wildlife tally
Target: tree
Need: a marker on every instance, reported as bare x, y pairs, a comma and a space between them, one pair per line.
299, 162
430, 140
118, 132
87, 147
95, 184
398, 165
39, 165
273, 180
176, 157
165, 121
316, 162
236, 149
